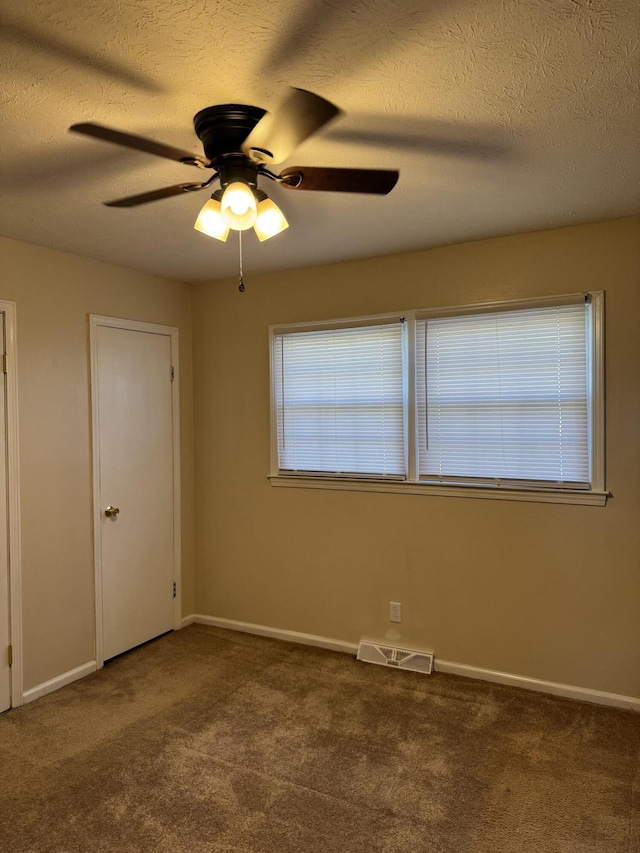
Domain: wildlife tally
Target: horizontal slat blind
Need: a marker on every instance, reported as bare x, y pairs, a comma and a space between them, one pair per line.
503, 396
339, 400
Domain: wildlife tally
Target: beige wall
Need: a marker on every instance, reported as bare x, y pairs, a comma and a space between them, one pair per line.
55, 293
540, 590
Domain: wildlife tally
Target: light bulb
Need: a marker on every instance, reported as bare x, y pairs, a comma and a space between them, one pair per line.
238, 206
269, 221
210, 221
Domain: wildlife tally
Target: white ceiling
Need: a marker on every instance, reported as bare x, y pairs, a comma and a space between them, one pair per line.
502, 116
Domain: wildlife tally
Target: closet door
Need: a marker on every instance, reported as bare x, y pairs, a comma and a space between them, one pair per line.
133, 434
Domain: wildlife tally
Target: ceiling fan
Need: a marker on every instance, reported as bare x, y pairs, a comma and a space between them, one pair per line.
240, 142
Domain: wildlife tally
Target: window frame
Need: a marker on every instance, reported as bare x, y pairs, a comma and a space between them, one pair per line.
397, 326
596, 495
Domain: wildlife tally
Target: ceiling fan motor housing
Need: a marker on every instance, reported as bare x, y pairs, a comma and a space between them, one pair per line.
222, 129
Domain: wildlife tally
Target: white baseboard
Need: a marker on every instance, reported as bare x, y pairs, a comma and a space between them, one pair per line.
278, 634
58, 681
583, 694
188, 620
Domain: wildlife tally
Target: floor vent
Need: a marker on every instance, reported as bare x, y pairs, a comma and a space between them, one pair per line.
396, 657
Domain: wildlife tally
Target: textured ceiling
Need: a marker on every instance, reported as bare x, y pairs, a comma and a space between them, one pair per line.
502, 116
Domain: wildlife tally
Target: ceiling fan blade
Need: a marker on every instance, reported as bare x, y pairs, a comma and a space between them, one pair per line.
278, 134
61, 49
377, 181
155, 195
139, 143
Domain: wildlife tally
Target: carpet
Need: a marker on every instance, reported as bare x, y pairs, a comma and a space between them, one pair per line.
212, 741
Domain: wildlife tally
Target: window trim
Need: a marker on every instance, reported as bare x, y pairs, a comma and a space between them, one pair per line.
594, 496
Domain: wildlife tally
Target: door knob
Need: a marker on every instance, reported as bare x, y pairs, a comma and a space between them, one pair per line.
112, 512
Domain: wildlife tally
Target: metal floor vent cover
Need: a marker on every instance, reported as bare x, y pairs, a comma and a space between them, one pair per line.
393, 656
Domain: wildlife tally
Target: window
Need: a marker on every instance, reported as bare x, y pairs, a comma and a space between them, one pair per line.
339, 401
503, 396
502, 400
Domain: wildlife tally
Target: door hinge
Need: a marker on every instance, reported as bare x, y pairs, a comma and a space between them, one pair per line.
174, 589
10, 655
173, 373
5, 363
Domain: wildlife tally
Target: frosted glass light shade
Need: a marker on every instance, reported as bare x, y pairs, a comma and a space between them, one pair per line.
238, 206
269, 221
210, 221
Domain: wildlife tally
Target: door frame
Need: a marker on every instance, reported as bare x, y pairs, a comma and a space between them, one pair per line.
95, 321
13, 500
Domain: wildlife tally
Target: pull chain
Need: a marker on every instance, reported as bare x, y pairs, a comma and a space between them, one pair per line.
241, 285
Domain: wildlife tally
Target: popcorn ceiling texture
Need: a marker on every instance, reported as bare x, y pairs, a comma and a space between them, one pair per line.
502, 115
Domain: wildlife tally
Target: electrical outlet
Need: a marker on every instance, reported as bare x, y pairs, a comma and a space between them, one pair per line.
395, 611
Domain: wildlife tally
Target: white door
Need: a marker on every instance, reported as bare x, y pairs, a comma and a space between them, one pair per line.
5, 630
133, 436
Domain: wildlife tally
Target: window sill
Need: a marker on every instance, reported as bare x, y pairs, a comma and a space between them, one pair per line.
554, 496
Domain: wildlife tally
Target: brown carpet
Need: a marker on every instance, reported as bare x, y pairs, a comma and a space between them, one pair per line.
209, 740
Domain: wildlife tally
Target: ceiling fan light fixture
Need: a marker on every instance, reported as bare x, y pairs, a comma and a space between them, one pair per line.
238, 141
269, 221
210, 221
238, 206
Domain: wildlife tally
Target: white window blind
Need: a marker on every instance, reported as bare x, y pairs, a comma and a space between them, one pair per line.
504, 396
339, 401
